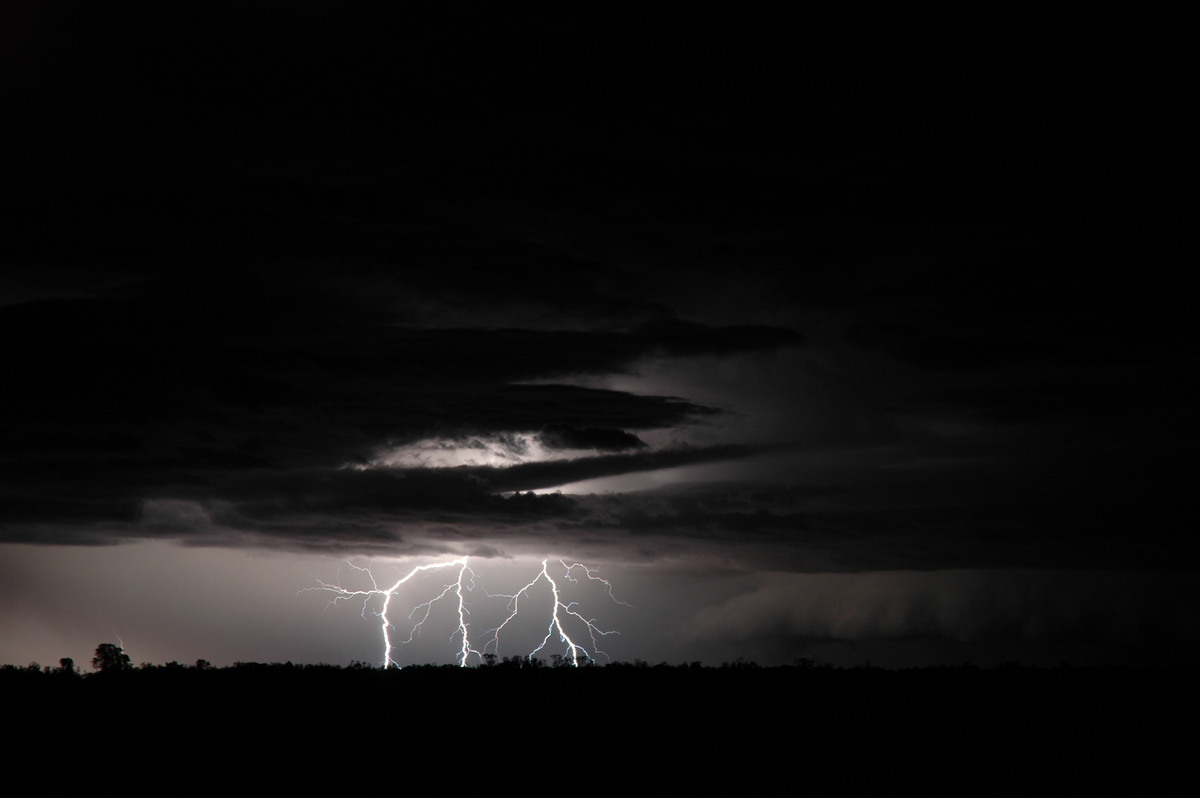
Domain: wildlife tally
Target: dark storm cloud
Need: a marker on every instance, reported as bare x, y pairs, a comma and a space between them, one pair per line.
562, 436
196, 383
246, 255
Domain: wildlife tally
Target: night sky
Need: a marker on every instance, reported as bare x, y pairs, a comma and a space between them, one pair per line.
842, 336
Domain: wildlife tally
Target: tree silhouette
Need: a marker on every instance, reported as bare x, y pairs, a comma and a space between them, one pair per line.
111, 658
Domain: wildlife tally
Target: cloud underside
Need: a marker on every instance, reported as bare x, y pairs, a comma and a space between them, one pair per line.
483, 512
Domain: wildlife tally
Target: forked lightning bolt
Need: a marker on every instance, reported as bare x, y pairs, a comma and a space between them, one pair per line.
464, 582
343, 594
574, 650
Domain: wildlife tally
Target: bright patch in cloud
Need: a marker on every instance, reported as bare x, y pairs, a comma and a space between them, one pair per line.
496, 450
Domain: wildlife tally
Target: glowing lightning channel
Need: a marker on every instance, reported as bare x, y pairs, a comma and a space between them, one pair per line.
574, 650
385, 625
465, 582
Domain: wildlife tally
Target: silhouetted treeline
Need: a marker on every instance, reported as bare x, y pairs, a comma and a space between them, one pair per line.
820, 730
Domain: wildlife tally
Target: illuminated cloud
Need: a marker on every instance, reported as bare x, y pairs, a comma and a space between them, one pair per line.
501, 449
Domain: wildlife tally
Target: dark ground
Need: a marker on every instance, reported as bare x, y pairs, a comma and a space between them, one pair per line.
814, 730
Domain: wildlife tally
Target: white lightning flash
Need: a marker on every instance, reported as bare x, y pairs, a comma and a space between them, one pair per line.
465, 582
464, 574
574, 650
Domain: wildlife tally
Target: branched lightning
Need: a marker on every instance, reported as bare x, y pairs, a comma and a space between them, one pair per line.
464, 574
574, 650
463, 583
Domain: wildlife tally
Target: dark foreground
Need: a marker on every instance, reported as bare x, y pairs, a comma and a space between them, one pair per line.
280, 729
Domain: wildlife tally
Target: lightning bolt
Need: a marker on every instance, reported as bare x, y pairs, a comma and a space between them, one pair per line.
456, 587
561, 611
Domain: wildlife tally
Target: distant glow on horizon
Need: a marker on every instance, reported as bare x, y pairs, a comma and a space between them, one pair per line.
561, 612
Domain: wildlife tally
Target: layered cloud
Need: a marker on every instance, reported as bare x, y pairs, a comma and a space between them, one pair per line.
240, 308
286, 406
